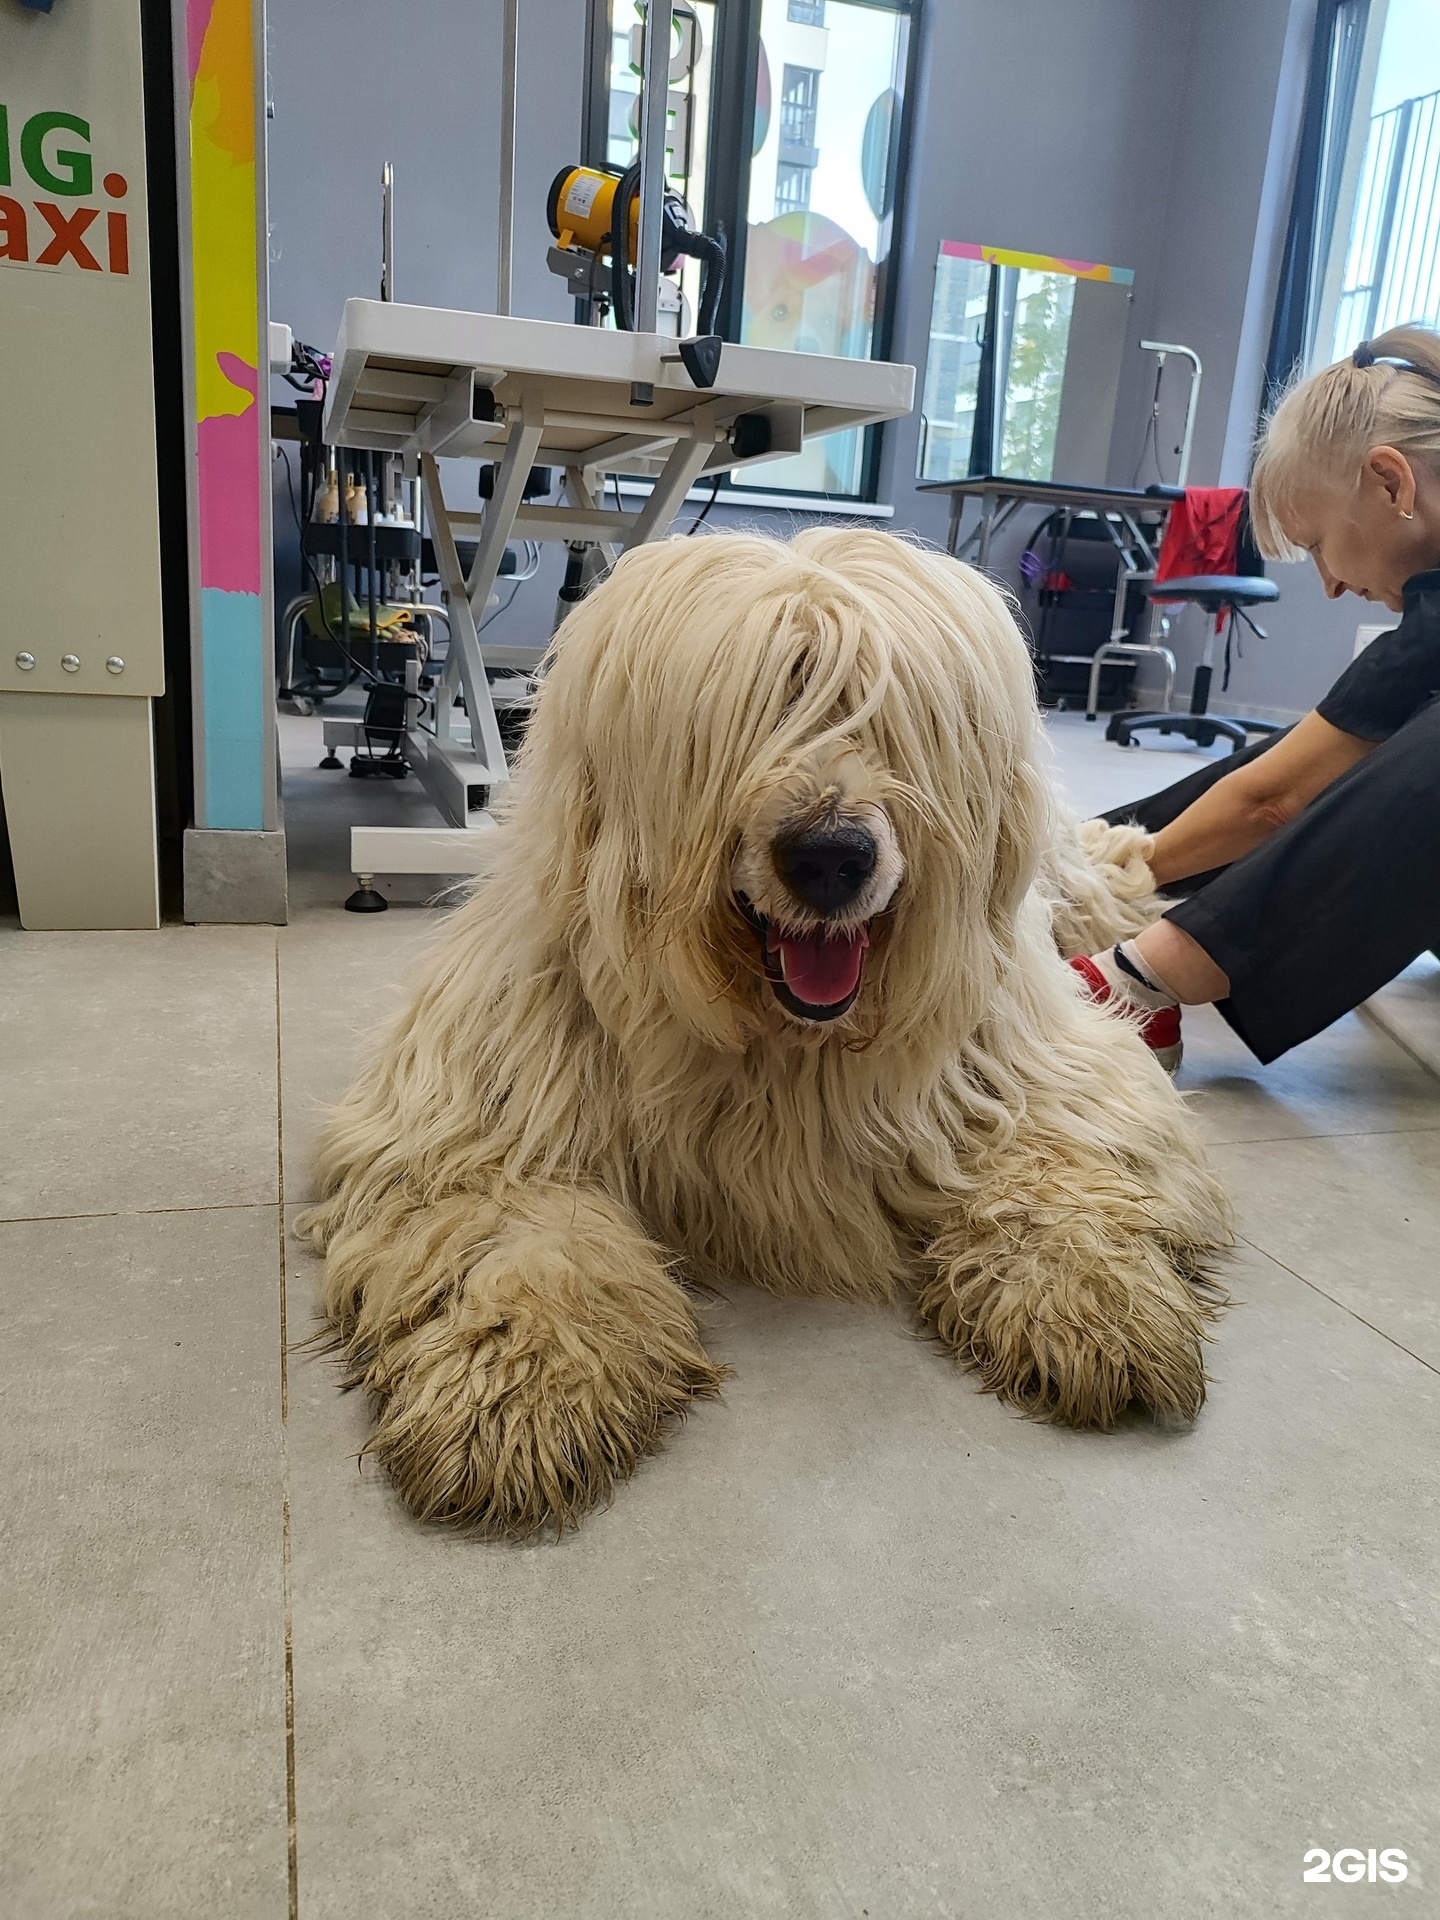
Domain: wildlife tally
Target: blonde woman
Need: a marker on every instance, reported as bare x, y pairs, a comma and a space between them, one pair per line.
1326, 838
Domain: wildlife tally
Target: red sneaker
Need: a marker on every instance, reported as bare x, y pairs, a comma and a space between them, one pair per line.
1159, 1030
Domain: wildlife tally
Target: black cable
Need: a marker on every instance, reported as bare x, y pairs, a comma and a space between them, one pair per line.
1151, 441
515, 587
307, 365
712, 283
699, 519
622, 281
711, 251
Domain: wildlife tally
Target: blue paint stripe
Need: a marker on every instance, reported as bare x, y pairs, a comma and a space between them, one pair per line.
235, 708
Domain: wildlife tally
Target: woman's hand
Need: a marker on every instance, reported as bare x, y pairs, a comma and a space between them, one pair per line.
1247, 806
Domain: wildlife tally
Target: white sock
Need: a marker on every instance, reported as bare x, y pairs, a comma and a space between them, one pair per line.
1133, 980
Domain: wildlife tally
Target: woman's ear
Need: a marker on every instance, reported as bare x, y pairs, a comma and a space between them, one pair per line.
1395, 474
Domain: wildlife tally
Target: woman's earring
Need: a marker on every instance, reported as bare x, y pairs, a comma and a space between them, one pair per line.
1406, 516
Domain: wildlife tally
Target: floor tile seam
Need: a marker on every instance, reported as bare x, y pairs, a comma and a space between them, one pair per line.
139, 1213
292, 1850
1346, 1133
1343, 1305
1382, 1025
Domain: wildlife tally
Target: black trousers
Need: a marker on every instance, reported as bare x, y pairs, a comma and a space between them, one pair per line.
1332, 906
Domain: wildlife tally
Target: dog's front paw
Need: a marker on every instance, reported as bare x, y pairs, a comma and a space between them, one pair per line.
514, 1410
1076, 1346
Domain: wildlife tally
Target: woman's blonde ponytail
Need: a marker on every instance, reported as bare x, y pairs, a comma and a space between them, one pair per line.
1385, 394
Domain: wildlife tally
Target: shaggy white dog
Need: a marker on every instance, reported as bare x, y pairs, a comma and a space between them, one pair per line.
762, 988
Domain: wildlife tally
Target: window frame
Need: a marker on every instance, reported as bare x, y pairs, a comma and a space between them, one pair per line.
735, 69
1317, 178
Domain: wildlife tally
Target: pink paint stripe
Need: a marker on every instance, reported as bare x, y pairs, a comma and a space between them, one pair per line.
239, 373
197, 25
1039, 262
229, 487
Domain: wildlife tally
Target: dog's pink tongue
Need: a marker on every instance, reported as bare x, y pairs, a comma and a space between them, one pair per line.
820, 971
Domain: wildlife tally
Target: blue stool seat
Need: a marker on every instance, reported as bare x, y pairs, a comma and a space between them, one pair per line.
1216, 593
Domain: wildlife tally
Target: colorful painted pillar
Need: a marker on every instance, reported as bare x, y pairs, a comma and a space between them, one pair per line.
235, 853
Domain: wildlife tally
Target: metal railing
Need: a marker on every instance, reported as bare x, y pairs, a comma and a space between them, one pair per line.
1392, 272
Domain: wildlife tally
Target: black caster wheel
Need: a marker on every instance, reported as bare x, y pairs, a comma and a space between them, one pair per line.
377, 767
1204, 737
331, 762
365, 899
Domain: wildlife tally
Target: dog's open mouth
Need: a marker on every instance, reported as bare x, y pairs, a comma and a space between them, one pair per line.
816, 975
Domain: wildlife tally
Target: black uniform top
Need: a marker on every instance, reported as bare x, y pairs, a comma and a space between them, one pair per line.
1396, 675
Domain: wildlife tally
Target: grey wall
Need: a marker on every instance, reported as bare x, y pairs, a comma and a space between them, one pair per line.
1153, 134
1038, 125
354, 83
1213, 286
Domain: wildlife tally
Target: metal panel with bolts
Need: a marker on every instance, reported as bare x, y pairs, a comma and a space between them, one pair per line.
80, 614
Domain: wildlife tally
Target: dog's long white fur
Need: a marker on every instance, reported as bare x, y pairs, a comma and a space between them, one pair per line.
592, 1098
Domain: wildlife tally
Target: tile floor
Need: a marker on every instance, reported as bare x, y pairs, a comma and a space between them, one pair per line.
859, 1642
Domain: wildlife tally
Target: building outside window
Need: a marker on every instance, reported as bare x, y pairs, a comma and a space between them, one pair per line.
1370, 185
792, 188
810, 208
799, 98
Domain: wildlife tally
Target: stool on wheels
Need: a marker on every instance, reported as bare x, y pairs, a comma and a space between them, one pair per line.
1217, 593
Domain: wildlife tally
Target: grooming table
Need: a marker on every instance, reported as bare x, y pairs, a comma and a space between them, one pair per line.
1133, 517
432, 383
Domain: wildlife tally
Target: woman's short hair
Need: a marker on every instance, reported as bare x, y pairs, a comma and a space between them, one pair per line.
1384, 394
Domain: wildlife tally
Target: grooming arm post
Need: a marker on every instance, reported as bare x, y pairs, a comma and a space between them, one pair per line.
387, 232
1192, 401
655, 105
509, 82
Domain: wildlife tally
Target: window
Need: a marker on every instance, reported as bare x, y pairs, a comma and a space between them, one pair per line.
799, 97
995, 396
792, 188
807, 200
1362, 251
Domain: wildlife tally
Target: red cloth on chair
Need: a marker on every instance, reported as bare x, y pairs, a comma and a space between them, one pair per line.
1202, 536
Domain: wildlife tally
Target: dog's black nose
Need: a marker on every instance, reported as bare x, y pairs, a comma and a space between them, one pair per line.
826, 867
